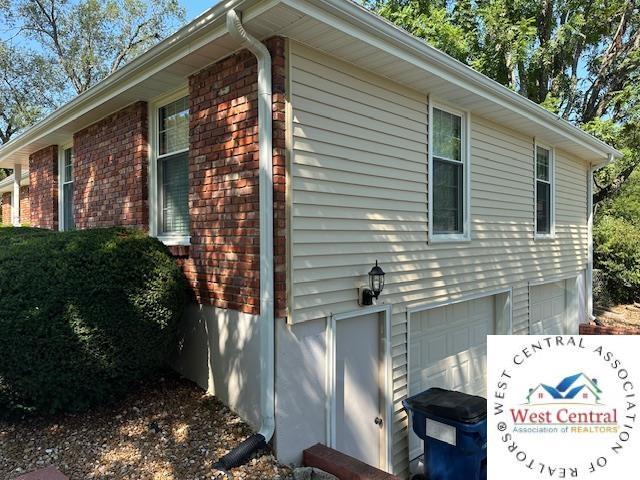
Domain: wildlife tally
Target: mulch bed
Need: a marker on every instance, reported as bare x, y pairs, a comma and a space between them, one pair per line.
169, 429
626, 316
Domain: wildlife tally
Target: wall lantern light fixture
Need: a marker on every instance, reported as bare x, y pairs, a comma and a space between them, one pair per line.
376, 285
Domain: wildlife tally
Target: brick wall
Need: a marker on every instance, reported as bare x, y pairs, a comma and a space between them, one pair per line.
6, 208
224, 259
25, 206
593, 329
110, 171
43, 188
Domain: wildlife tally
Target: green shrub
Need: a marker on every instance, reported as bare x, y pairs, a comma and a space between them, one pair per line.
83, 315
617, 253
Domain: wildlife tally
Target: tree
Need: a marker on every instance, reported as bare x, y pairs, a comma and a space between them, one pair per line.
61, 48
27, 91
578, 58
90, 39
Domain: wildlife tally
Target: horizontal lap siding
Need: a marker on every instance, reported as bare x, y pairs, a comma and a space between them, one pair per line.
359, 180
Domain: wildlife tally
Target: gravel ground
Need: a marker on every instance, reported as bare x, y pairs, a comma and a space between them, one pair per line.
167, 430
620, 315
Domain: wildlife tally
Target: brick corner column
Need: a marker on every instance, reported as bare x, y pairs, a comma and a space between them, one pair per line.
43, 188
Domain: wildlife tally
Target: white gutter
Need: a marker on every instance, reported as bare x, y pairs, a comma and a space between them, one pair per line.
589, 279
357, 21
265, 139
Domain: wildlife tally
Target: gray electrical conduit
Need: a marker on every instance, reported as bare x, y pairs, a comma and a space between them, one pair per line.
243, 452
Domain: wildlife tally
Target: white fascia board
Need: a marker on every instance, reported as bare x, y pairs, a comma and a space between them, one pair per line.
359, 22
344, 15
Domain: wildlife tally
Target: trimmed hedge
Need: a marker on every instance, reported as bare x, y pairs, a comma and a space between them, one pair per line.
83, 315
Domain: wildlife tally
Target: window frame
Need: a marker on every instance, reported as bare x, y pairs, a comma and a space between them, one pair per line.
62, 148
465, 150
552, 192
155, 192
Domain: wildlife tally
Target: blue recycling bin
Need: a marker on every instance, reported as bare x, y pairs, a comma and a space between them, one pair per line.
453, 427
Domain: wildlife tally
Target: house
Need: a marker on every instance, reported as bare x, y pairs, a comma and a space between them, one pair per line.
583, 394
579, 378
473, 200
577, 388
543, 394
7, 210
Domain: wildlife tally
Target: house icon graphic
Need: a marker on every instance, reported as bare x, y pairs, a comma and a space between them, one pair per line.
578, 388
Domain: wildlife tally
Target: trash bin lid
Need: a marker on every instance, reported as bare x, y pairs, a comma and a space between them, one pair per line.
449, 404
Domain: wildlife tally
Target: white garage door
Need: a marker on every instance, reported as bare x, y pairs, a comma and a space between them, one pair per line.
548, 304
448, 349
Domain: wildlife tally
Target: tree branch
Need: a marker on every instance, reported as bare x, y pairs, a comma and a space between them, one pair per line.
614, 187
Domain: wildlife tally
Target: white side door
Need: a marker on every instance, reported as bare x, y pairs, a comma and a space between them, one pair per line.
358, 388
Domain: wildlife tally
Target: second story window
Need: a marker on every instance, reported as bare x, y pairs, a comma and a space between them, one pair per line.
544, 191
173, 168
66, 190
448, 175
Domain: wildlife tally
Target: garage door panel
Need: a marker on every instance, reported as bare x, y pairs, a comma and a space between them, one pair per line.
460, 310
548, 309
433, 319
459, 339
435, 348
448, 349
479, 333
460, 375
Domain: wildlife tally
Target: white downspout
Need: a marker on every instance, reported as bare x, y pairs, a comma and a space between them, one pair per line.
265, 139
589, 279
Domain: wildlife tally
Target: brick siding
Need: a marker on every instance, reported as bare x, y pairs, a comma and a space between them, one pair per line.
25, 206
110, 180
6, 208
43, 188
224, 260
110, 171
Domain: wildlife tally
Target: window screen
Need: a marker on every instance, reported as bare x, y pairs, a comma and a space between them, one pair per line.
448, 173
543, 191
68, 222
173, 167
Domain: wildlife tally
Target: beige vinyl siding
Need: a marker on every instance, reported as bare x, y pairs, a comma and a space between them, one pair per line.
359, 182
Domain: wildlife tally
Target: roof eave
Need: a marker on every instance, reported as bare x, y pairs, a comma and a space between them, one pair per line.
351, 11
182, 37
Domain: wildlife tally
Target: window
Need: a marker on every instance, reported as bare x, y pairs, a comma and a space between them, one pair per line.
544, 191
448, 182
173, 169
66, 190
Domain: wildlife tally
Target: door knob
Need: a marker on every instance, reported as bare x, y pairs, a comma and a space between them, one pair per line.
378, 421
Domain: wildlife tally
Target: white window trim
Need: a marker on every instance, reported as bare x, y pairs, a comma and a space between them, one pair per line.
552, 180
465, 236
61, 149
154, 148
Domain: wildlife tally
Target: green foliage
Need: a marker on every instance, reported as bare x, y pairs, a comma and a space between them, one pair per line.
26, 86
55, 49
626, 204
83, 315
617, 253
89, 39
579, 59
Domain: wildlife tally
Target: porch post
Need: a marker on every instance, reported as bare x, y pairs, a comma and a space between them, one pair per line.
15, 198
